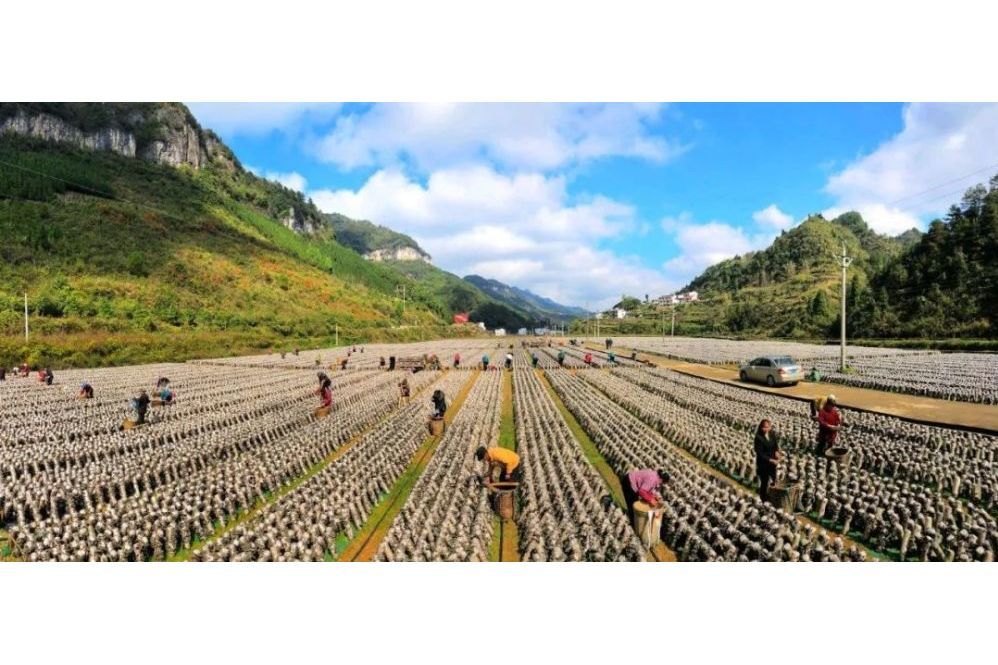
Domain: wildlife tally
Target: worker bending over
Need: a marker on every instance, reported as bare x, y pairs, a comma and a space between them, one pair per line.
404, 392
86, 391
643, 485
457, 360
502, 459
439, 403
534, 360
166, 394
561, 358
485, 362
509, 361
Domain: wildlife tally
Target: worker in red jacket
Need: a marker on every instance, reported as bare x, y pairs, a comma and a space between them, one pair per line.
829, 424
325, 393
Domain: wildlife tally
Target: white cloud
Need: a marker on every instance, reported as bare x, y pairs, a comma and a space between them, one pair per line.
257, 118
772, 217
291, 180
703, 244
942, 150
522, 229
884, 219
538, 137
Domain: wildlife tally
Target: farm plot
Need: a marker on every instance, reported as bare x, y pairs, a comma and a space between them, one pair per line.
887, 512
447, 517
364, 356
303, 525
951, 461
965, 377
566, 514
206, 478
725, 351
706, 518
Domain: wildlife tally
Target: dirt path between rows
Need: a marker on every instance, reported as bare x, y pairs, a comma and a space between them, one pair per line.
365, 543
507, 533
963, 415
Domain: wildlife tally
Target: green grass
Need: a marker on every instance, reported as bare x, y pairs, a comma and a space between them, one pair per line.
589, 450
507, 439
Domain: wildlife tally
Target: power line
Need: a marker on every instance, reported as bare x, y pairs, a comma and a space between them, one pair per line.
106, 195
949, 182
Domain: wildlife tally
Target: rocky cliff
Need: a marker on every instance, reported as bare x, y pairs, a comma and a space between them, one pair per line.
165, 133
295, 220
50, 128
398, 254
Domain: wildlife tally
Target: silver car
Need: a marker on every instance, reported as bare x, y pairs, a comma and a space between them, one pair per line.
771, 370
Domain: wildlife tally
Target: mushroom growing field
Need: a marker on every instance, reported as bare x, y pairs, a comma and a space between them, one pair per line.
243, 466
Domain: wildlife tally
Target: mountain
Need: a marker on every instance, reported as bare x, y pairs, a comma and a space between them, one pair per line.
537, 307
790, 289
375, 242
138, 236
460, 296
487, 301
942, 284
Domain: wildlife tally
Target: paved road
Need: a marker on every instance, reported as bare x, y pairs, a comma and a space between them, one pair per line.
982, 417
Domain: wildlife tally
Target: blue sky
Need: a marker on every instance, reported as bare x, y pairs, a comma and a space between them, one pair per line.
584, 202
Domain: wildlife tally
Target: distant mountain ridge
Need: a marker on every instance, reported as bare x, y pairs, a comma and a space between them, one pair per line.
540, 308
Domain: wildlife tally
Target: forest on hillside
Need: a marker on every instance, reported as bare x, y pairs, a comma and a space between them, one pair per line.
934, 285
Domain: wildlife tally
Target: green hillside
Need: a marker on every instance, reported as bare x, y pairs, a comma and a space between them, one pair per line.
940, 285
126, 260
790, 289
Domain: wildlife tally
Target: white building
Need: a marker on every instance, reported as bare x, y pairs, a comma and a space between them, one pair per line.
500, 332
620, 312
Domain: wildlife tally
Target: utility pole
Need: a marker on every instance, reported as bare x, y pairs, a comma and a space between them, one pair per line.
673, 333
663, 324
401, 287
25, 316
337, 342
844, 262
